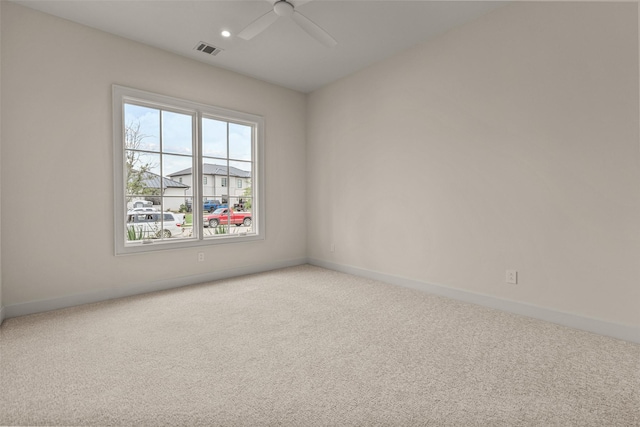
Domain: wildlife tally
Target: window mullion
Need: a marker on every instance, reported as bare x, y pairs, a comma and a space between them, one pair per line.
161, 178
228, 178
197, 204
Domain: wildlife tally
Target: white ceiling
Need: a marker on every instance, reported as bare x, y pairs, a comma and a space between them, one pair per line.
367, 31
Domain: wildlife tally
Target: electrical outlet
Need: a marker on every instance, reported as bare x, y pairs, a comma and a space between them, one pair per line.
512, 277
333, 247
200, 256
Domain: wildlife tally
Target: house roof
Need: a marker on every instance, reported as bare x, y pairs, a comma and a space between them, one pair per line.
152, 180
209, 169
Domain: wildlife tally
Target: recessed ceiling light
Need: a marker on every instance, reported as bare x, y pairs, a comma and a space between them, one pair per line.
225, 33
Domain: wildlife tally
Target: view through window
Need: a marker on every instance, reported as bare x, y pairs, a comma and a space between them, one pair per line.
174, 153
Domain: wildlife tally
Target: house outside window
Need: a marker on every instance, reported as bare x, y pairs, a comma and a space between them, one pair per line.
219, 189
163, 147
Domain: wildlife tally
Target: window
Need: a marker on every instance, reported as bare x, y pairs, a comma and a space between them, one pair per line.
239, 183
158, 140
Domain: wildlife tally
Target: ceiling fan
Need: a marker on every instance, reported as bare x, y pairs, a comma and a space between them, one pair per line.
287, 9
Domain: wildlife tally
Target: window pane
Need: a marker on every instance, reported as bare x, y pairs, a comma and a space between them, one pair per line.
214, 138
177, 222
228, 222
240, 184
143, 172
148, 224
242, 204
177, 182
175, 167
240, 141
138, 227
142, 128
240, 169
209, 186
177, 136
185, 199
215, 170
224, 180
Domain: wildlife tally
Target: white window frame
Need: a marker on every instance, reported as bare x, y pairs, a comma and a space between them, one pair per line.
122, 95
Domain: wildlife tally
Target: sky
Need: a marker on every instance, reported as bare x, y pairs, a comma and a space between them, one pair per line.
177, 137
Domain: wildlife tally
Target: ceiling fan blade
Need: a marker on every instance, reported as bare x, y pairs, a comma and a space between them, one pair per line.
313, 29
258, 26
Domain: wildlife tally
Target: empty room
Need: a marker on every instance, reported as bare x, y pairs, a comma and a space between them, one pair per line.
314, 213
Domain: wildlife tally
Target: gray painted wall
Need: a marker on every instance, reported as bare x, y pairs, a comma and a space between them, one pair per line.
514, 141
57, 78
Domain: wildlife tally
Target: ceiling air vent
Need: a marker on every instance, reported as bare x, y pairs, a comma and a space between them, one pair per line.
207, 48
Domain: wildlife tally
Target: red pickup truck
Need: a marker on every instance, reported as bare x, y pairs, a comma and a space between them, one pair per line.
221, 217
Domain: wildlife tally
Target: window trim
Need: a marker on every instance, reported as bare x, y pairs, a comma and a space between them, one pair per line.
122, 94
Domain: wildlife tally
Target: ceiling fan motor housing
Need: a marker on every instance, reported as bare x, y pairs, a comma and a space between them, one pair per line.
283, 8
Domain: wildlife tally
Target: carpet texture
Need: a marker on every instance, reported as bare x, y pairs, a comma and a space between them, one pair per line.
305, 346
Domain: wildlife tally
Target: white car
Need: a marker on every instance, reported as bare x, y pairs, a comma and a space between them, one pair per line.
153, 225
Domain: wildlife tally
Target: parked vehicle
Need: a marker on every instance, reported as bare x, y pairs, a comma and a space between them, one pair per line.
137, 204
212, 205
225, 215
152, 225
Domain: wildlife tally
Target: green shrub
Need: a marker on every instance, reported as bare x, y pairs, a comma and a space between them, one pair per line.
133, 234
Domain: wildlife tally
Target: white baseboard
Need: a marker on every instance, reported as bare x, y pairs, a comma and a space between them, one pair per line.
624, 332
601, 327
41, 306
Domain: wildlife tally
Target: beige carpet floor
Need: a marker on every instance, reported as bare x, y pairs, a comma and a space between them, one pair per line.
305, 346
